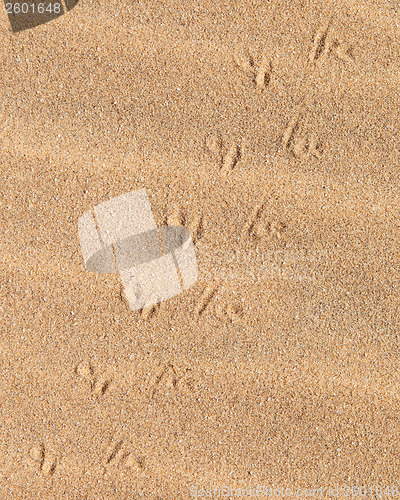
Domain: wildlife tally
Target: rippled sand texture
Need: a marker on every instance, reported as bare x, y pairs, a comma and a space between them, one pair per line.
270, 129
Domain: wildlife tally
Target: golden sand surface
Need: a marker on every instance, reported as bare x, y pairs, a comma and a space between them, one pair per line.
271, 130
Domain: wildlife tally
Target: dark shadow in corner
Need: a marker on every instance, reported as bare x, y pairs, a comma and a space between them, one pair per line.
27, 14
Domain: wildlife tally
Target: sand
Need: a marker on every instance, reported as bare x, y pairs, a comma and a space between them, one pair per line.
269, 128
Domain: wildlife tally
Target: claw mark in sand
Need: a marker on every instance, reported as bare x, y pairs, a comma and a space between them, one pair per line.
206, 297
314, 147
289, 132
276, 229
263, 75
342, 51
234, 312
100, 385
123, 298
231, 158
299, 147
213, 144
169, 375
114, 452
319, 42
231, 312
148, 311
244, 60
195, 223
196, 227
85, 370
46, 462
307, 146
258, 227
117, 453
37, 454
253, 220
136, 463
227, 162
176, 218
169, 378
